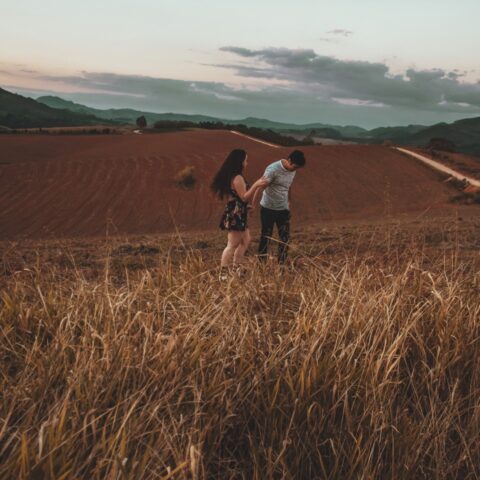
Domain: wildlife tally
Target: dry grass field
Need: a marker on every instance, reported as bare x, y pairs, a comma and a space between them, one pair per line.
124, 356
127, 357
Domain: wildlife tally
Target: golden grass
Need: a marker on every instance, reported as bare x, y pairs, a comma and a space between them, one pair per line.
365, 366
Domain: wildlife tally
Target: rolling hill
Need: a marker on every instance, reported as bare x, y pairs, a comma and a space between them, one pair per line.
17, 111
465, 134
391, 133
125, 115
130, 115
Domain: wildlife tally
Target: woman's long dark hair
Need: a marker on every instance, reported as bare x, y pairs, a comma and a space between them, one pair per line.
232, 166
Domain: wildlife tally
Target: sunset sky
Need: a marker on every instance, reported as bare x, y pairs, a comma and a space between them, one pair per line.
368, 63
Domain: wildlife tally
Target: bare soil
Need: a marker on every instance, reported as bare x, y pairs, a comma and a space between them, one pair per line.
61, 186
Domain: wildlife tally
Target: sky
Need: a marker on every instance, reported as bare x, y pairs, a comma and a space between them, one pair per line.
368, 63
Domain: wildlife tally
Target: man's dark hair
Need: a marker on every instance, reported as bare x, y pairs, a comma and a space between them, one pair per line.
297, 157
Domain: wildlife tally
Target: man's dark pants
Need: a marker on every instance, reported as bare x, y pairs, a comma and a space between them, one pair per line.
269, 218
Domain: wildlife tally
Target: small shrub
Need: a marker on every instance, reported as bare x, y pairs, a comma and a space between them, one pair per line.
185, 178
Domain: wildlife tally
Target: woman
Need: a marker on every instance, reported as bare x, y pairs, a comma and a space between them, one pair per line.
229, 183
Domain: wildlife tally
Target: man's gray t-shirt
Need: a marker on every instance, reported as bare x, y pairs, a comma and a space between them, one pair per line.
275, 196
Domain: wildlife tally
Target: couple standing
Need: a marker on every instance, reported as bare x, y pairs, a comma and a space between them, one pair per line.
274, 186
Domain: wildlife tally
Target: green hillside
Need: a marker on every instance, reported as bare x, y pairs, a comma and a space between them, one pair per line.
125, 115
390, 133
465, 134
20, 112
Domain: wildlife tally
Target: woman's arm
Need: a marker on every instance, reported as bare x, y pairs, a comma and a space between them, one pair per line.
259, 190
255, 197
241, 188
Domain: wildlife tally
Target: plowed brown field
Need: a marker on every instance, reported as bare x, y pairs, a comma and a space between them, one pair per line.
62, 185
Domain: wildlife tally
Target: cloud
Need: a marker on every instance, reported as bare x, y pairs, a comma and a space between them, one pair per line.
368, 82
336, 35
357, 102
210, 91
106, 90
295, 86
276, 102
328, 40
341, 32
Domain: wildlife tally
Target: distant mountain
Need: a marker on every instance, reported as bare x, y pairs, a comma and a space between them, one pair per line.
128, 115
390, 133
323, 129
21, 112
307, 128
461, 132
326, 133
125, 115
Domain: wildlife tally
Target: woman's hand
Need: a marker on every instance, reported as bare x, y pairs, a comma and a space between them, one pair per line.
262, 182
246, 196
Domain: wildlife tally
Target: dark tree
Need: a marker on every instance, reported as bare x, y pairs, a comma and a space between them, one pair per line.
141, 122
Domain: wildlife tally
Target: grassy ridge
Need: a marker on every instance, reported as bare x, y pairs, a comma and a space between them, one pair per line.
364, 364
20, 112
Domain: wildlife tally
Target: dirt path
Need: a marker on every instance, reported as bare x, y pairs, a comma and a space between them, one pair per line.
439, 166
255, 139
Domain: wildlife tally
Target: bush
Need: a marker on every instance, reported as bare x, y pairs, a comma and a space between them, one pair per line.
185, 178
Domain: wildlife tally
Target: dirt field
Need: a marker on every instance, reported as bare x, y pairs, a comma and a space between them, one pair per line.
71, 186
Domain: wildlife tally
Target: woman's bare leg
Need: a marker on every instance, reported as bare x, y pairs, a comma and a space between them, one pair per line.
234, 239
242, 247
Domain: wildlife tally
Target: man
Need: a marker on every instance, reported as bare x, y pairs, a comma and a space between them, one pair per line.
275, 202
